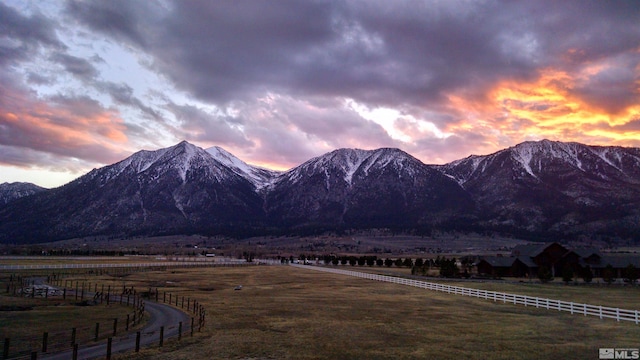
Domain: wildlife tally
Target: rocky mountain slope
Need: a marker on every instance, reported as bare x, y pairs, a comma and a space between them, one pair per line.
359, 188
554, 186
173, 190
16, 190
542, 190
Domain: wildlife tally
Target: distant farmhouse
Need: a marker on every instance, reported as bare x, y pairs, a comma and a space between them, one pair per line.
526, 260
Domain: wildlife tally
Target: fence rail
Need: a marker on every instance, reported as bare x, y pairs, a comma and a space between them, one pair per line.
47, 344
544, 303
125, 265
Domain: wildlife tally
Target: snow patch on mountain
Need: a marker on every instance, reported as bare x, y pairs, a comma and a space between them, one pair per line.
16, 190
260, 177
354, 159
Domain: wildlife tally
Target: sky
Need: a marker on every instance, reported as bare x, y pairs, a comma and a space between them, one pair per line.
84, 84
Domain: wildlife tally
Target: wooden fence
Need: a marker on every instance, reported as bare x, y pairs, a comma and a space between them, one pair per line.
183, 264
48, 343
550, 304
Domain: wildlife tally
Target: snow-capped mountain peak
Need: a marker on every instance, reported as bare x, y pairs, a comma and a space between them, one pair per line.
350, 163
260, 177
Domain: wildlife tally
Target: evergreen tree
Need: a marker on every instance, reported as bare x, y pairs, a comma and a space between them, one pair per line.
448, 267
587, 274
544, 274
567, 274
631, 274
608, 274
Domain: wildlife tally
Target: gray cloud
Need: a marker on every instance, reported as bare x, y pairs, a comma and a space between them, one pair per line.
380, 53
270, 79
23, 35
78, 67
200, 125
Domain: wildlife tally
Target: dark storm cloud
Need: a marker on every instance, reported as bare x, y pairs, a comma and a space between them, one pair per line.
613, 88
384, 53
120, 19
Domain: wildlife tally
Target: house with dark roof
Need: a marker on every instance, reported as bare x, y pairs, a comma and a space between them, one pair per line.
619, 263
526, 260
499, 266
546, 254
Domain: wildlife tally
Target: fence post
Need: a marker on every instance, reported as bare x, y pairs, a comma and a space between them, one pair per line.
45, 337
75, 352
109, 343
34, 355
97, 331
192, 321
180, 331
618, 314
7, 342
127, 324
73, 336
161, 335
115, 326
138, 341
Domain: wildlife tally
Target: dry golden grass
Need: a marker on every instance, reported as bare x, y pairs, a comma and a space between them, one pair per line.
57, 317
287, 313
66, 260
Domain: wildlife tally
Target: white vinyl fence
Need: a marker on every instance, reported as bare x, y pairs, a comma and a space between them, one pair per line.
559, 305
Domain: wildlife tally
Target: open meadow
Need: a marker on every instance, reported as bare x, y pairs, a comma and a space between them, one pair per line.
285, 313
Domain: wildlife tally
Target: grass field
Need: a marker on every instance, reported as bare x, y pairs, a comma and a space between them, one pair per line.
24, 320
288, 313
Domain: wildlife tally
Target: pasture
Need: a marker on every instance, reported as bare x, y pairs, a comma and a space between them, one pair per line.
286, 313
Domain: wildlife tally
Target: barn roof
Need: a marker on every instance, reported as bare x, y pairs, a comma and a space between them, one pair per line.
499, 261
585, 252
531, 250
619, 261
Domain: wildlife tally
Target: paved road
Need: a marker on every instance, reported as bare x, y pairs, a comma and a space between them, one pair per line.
160, 315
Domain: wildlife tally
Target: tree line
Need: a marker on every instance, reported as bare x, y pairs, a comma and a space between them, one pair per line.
446, 267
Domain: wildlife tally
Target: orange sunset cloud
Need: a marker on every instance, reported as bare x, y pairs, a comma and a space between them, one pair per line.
547, 108
64, 127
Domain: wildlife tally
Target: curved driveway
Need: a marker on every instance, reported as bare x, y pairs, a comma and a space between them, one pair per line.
160, 315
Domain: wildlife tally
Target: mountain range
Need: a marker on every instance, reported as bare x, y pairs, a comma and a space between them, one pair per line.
536, 190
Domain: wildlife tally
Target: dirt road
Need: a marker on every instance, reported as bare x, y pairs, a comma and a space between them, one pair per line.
160, 316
